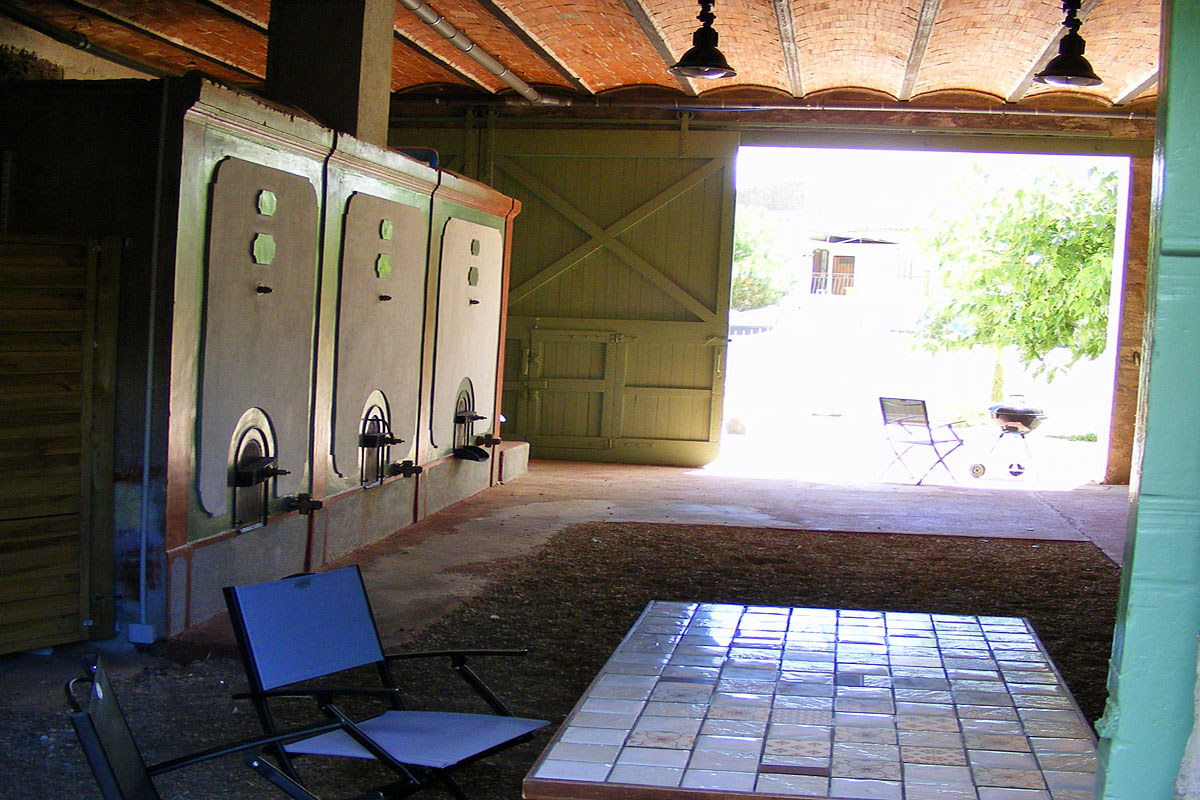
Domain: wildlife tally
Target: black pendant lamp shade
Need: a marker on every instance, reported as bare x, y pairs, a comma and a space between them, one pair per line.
1069, 67
704, 60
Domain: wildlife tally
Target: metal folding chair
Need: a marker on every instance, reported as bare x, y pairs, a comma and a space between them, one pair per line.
116, 761
314, 626
906, 424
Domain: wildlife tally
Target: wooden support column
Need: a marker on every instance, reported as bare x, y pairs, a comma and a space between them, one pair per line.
334, 61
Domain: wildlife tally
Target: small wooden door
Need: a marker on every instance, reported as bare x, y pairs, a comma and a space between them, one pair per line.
57, 340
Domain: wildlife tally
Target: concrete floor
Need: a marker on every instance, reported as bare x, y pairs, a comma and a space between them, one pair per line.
424, 570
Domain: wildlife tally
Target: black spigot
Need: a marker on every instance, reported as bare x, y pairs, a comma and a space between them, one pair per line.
406, 468
377, 440
304, 503
257, 471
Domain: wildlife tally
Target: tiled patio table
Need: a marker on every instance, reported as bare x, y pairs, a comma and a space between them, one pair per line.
704, 700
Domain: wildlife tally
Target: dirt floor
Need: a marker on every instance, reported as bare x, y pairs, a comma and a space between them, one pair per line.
570, 603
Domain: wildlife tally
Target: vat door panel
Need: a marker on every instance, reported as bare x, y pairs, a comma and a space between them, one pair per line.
258, 321
380, 318
468, 325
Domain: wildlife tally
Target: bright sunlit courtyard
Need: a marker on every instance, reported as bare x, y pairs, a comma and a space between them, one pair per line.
805, 373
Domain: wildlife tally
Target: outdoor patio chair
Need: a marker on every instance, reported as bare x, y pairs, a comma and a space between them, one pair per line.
117, 763
315, 626
906, 424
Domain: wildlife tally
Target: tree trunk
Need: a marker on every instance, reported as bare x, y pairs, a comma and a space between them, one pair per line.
998, 376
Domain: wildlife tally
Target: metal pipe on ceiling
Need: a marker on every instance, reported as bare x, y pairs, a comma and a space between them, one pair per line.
476, 53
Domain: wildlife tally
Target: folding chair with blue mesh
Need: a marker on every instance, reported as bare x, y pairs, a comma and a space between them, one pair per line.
116, 760
315, 626
906, 424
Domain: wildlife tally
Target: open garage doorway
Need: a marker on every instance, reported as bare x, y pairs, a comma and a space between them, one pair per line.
966, 280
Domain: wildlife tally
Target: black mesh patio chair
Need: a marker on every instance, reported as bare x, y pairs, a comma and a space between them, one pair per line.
117, 763
307, 628
906, 424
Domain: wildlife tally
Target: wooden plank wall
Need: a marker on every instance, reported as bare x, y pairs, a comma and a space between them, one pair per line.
55, 440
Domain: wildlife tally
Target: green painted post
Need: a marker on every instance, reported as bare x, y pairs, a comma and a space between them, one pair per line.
1151, 705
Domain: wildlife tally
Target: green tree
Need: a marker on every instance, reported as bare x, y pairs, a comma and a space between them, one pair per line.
762, 273
1027, 268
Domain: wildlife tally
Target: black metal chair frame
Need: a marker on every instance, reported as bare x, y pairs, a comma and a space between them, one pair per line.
906, 424
116, 760
412, 777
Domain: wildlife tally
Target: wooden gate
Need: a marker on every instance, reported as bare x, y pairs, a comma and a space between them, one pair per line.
57, 342
619, 293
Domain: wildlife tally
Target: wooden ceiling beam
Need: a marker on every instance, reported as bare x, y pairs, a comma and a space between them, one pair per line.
1051, 50
142, 30
238, 16
655, 37
1136, 91
533, 44
45, 27
787, 41
916, 55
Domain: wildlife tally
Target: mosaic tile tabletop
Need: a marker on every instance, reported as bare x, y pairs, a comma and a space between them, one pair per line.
704, 700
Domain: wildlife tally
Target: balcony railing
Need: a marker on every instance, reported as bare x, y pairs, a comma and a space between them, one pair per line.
836, 283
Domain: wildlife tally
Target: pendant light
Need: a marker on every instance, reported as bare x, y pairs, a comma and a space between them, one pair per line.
1069, 67
704, 60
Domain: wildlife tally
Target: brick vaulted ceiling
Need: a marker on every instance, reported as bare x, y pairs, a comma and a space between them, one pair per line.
922, 52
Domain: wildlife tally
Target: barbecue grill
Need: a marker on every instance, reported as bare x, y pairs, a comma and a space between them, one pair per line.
1015, 420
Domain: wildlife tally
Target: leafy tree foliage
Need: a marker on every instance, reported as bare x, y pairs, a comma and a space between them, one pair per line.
762, 272
1027, 268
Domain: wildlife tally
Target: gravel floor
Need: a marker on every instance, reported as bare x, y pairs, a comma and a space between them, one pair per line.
570, 603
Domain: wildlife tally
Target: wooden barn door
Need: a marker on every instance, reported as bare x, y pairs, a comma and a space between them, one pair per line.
57, 323
618, 293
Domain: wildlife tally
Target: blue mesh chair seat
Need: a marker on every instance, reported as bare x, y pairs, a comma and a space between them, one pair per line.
309, 628
437, 739
906, 424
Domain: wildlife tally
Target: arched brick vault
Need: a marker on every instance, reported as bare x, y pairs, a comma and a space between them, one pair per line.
983, 50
